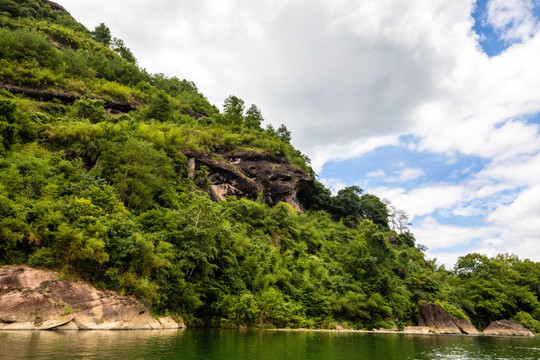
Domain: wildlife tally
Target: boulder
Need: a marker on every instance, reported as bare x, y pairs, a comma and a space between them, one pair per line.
435, 317
466, 327
32, 299
507, 328
417, 330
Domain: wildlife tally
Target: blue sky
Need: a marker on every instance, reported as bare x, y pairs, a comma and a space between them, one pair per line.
432, 105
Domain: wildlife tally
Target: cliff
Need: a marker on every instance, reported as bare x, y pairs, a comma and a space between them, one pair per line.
250, 175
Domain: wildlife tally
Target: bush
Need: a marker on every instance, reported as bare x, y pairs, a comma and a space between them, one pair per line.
90, 109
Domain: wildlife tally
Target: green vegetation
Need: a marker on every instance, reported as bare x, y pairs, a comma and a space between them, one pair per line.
105, 195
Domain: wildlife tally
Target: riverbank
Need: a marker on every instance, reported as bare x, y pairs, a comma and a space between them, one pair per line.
32, 299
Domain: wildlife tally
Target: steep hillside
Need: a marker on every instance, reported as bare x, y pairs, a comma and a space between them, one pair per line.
135, 183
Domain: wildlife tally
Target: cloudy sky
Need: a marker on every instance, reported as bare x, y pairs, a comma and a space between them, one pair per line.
433, 105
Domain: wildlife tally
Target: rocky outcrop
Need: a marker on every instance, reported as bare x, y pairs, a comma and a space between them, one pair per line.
436, 318
65, 97
507, 328
54, 5
466, 327
249, 174
33, 299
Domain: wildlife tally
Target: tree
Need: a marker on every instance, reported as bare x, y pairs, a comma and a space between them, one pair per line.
120, 47
284, 134
347, 205
233, 109
160, 107
398, 220
374, 209
253, 118
102, 34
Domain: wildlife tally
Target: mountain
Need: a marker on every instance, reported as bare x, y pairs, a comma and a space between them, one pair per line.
135, 183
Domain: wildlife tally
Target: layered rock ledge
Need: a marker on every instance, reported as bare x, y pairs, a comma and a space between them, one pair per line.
250, 175
33, 299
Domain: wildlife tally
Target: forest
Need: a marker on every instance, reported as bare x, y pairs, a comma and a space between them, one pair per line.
95, 184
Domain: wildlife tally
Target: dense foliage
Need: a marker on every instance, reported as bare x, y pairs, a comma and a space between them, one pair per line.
106, 197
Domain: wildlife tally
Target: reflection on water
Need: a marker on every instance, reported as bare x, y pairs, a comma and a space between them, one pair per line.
271, 345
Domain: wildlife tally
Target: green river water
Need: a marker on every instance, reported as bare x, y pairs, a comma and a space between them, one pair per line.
260, 345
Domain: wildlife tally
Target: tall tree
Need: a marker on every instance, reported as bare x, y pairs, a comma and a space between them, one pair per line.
253, 118
374, 209
284, 134
120, 47
233, 108
102, 34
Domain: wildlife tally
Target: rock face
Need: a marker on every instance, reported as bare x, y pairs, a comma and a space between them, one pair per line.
508, 328
435, 317
466, 327
249, 174
54, 5
34, 300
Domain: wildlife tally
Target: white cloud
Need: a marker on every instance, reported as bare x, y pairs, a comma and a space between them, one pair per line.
514, 19
378, 173
405, 175
348, 150
441, 236
333, 184
423, 200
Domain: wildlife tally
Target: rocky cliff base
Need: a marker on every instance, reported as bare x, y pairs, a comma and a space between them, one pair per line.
33, 299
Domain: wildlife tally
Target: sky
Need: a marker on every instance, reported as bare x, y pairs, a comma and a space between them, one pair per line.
432, 105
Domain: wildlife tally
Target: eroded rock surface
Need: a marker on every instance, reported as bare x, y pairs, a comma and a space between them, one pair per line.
466, 327
507, 328
435, 317
32, 299
250, 174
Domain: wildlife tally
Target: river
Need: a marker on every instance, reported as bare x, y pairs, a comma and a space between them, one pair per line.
258, 345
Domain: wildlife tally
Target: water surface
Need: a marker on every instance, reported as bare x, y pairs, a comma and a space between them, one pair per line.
260, 345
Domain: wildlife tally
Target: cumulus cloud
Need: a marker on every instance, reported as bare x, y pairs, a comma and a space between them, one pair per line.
406, 174
513, 19
423, 200
448, 236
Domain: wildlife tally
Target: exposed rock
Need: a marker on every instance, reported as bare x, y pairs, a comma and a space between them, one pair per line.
34, 300
417, 330
54, 5
435, 317
508, 328
466, 327
64, 97
250, 174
